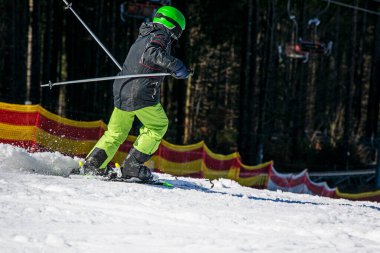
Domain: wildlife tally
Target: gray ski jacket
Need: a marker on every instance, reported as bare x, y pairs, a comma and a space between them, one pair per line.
149, 54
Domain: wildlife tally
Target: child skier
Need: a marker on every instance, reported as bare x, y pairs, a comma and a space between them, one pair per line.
140, 97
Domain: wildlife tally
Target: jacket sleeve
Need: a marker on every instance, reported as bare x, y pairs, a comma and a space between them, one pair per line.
156, 53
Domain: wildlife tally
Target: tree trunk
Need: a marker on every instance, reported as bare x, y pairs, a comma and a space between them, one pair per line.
349, 87
372, 123
18, 39
52, 51
3, 46
29, 53
266, 79
36, 55
247, 90
186, 134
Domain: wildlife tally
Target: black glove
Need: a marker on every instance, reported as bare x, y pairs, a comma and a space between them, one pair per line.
181, 71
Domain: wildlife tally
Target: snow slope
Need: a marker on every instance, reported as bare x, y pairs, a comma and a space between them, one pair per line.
43, 211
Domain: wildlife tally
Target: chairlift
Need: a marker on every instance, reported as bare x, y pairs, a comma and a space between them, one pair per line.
301, 48
141, 9
313, 45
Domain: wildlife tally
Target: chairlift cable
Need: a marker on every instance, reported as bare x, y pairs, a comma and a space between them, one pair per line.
353, 7
295, 24
324, 10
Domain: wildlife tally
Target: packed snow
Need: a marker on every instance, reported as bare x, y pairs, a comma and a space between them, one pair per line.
43, 210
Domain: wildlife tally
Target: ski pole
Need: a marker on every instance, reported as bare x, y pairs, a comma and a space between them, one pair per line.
50, 84
68, 6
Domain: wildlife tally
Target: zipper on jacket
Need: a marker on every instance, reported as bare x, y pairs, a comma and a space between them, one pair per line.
155, 91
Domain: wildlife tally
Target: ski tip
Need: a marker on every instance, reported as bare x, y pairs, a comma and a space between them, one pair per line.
117, 165
167, 184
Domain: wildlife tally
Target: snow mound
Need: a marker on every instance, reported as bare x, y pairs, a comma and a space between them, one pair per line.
46, 163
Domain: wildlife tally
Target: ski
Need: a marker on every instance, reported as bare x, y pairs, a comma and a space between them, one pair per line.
158, 182
113, 174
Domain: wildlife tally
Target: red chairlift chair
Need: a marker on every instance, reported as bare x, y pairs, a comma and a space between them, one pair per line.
303, 49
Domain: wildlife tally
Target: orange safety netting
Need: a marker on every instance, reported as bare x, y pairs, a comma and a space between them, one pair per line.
36, 129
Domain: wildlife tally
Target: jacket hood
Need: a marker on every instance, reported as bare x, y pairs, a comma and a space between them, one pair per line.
148, 27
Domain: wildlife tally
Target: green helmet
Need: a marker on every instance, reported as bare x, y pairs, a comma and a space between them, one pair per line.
171, 18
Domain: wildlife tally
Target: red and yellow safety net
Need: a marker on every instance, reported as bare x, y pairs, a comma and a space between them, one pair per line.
36, 129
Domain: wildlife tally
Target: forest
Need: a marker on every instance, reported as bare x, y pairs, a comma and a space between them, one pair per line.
252, 90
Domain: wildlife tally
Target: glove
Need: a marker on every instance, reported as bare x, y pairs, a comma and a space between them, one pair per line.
181, 71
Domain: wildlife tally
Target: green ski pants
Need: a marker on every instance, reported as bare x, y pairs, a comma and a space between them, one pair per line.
155, 123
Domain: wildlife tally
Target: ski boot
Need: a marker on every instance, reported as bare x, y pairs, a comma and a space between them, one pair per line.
133, 166
92, 164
